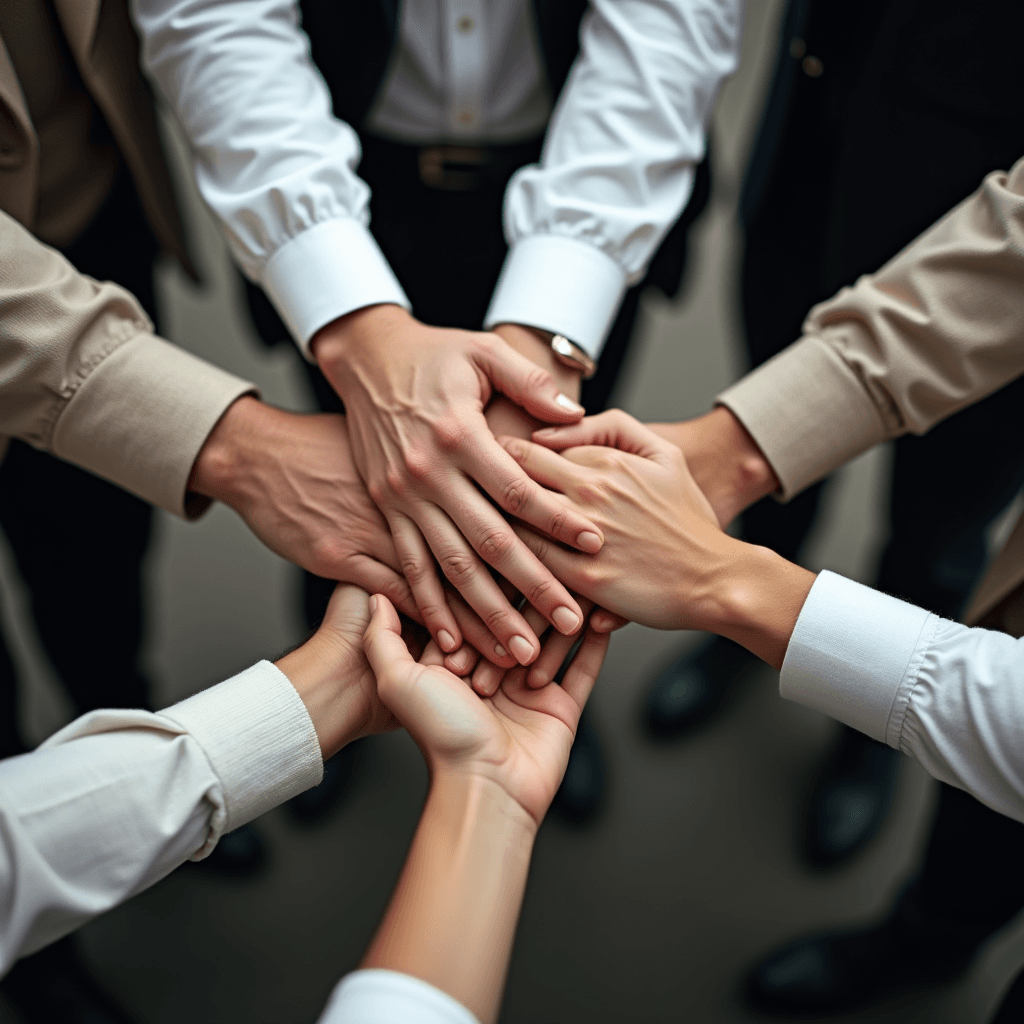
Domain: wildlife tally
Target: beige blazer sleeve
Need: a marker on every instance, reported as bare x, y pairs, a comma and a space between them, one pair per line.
83, 376
936, 329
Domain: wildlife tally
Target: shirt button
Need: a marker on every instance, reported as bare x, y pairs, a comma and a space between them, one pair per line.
813, 68
465, 24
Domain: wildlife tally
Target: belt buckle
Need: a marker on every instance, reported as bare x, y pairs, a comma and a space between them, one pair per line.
452, 168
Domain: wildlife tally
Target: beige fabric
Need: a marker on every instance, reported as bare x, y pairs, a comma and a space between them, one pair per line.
101, 42
937, 328
83, 376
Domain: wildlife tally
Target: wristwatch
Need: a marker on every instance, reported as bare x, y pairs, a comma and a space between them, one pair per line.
569, 354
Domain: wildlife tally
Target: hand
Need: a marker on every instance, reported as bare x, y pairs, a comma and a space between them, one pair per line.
415, 397
666, 562
724, 460
333, 677
518, 740
292, 480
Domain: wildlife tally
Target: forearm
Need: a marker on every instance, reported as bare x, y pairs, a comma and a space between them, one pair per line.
453, 915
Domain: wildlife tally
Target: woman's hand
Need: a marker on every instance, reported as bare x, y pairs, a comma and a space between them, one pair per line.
666, 562
519, 739
333, 677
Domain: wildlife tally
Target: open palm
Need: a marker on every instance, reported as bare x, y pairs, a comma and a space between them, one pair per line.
519, 738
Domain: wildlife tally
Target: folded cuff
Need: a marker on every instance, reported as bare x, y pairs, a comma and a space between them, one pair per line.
560, 285
259, 738
808, 412
325, 272
853, 655
383, 997
142, 415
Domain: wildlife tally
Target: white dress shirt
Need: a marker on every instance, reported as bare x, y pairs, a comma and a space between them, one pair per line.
949, 696
118, 799
278, 169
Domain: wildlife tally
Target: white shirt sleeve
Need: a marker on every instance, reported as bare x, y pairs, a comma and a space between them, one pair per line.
271, 160
618, 162
949, 696
114, 802
385, 997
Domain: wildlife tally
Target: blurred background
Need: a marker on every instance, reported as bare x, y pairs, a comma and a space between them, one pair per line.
654, 911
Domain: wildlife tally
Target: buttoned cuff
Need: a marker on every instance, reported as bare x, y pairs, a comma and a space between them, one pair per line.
855, 654
383, 997
808, 412
259, 738
141, 417
325, 272
560, 285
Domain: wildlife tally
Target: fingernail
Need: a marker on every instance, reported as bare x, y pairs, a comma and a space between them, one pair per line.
373, 604
567, 403
459, 661
589, 541
500, 651
521, 648
566, 620
545, 431
446, 640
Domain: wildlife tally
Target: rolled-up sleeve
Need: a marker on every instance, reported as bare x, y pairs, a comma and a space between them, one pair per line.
118, 799
950, 696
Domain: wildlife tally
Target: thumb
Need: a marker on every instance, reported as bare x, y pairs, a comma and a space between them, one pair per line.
525, 383
384, 647
611, 429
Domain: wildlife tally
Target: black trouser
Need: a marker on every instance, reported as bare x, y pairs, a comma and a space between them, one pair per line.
447, 247
858, 169
79, 541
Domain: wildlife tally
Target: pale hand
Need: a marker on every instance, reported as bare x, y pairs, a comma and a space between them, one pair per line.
519, 739
415, 397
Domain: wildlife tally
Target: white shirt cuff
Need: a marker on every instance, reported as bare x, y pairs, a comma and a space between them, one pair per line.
259, 738
560, 285
854, 655
384, 997
325, 272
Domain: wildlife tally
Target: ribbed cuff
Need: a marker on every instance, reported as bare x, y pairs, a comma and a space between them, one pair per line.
385, 997
808, 412
142, 415
559, 285
854, 654
259, 738
325, 272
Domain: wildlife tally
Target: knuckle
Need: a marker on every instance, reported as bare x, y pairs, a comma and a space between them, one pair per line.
458, 568
539, 592
451, 434
515, 496
417, 464
557, 524
394, 480
496, 545
379, 490
496, 621
538, 379
414, 570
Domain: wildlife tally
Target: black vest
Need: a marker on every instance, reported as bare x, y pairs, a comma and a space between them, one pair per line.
352, 42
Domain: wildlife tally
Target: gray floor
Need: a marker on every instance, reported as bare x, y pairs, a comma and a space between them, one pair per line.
651, 915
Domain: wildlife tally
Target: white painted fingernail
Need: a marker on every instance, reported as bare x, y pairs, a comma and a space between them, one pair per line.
567, 403
521, 649
445, 639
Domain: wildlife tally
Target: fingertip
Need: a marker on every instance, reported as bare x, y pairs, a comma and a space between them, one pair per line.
373, 604
537, 679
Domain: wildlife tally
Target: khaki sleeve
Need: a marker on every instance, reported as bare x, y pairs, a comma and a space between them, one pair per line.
938, 328
83, 376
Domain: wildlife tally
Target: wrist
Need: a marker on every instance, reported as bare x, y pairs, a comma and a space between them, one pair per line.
755, 599
531, 343
227, 454
476, 799
340, 339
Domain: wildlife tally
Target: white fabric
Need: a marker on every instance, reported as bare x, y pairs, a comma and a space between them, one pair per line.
949, 696
118, 799
386, 997
273, 163
463, 70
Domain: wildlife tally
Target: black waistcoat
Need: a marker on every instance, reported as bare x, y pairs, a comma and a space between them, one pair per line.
352, 42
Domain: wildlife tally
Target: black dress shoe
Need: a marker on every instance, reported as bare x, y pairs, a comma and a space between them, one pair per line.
53, 986
581, 794
241, 853
339, 773
850, 799
694, 687
843, 971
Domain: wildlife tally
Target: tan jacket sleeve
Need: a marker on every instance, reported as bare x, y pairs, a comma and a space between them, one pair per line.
937, 328
83, 376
